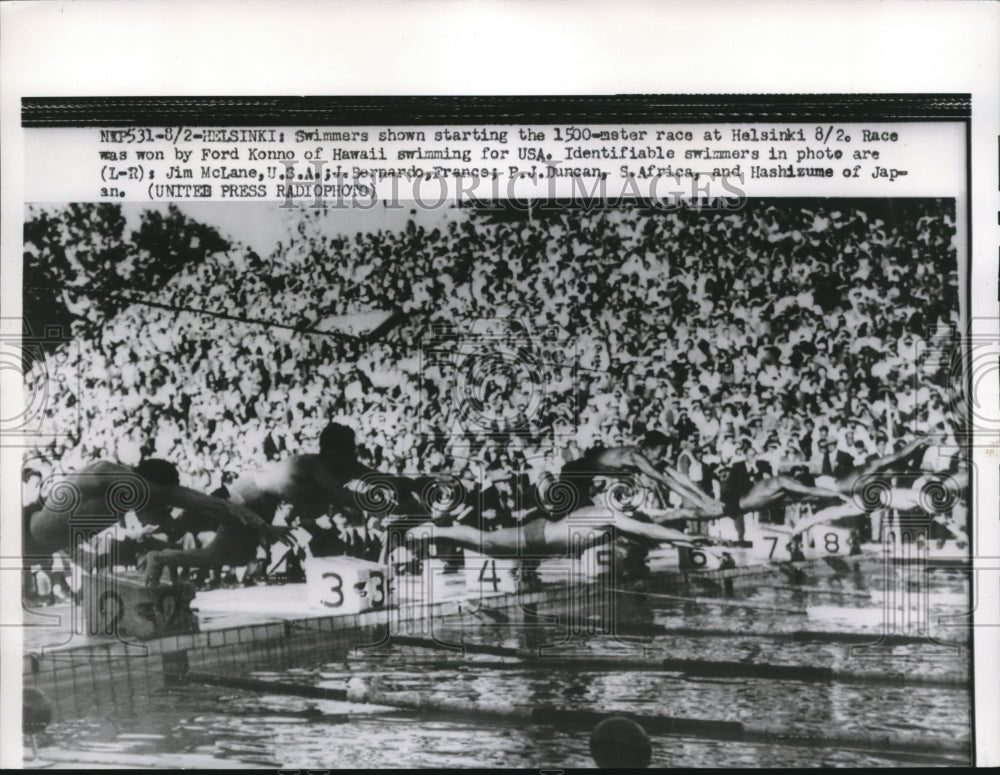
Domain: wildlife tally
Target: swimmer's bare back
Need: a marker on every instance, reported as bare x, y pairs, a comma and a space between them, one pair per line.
104, 492
83, 493
304, 481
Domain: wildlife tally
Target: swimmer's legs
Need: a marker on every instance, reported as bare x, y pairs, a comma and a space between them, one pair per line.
828, 514
224, 549
780, 490
156, 561
847, 482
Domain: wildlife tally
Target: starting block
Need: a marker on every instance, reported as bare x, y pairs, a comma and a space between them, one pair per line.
486, 575
417, 579
121, 604
346, 584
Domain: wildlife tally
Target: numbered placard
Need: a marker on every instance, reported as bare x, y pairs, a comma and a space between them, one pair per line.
120, 604
769, 545
488, 575
828, 540
346, 585
695, 559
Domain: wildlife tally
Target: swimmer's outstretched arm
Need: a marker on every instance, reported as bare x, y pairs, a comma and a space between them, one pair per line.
672, 479
682, 512
215, 509
689, 490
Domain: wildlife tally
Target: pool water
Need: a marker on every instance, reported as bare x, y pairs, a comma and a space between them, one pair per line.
291, 732
277, 730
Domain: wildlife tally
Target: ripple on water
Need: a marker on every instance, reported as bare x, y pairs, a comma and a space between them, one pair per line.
276, 730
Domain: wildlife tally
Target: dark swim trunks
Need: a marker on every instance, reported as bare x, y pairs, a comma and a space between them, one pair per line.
534, 537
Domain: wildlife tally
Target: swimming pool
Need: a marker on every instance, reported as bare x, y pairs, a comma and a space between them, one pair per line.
750, 624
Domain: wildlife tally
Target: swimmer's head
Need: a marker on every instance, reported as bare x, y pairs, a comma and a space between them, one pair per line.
656, 443
161, 472
336, 440
619, 742
164, 474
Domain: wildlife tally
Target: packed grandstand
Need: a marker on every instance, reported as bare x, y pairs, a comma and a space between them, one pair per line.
774, 327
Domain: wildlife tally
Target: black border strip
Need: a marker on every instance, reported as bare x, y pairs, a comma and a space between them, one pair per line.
368, 111
965, 343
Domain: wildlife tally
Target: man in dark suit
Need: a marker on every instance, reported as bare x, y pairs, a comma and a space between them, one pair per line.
833, 462
743, 475
806, 439
498, 500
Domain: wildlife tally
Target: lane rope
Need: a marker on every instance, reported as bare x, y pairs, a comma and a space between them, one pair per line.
750, 732
700, 667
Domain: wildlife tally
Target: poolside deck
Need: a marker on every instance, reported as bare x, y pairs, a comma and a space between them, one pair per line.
243, 628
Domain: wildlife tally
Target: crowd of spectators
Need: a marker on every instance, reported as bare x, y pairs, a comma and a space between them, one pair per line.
807, 333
